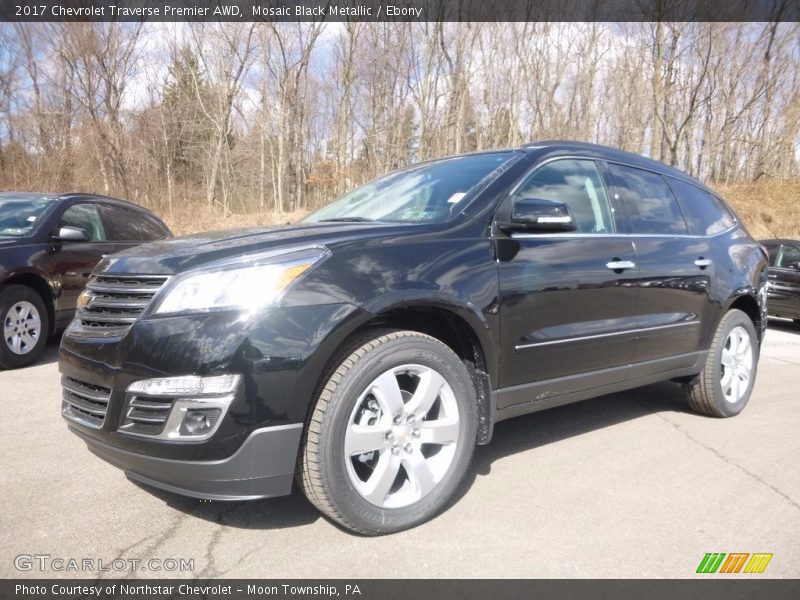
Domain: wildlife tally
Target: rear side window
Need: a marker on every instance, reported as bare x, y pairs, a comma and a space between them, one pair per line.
705, 213
84, 216
123, 225
648, 201
150, 229
576, 183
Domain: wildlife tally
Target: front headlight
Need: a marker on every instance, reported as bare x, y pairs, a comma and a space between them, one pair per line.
247, 286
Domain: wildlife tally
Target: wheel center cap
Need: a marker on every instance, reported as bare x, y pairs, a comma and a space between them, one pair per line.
402, 433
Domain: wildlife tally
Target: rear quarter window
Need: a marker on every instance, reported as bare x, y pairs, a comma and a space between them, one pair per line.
705, 213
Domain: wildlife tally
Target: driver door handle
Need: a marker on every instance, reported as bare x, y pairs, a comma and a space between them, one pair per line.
703, 262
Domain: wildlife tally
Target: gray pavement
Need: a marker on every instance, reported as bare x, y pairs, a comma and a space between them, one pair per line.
628, 485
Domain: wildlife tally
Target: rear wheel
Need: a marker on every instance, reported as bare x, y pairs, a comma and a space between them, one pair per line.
392, 434
25, 326
725, 385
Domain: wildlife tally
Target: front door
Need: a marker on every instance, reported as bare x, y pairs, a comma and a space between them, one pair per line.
72, 262
566, 300
784, 282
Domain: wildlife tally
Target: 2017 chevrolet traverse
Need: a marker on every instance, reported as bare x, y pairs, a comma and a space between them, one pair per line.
368, 349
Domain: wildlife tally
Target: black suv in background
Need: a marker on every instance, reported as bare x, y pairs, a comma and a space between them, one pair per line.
783, 289
49, 245
367, 350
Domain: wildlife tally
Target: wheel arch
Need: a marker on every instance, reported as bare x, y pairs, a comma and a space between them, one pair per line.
749, 305
449, 325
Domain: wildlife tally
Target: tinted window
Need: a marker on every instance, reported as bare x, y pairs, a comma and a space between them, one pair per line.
648, 200
772, 251
122, 225
150, 229
705, 213
84, 216
577, 184
19, 216
787, 256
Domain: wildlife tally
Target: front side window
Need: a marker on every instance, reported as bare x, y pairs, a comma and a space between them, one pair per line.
705, 213
649, 202
19, 216
84, 216
428, 193
576, 183
788, 256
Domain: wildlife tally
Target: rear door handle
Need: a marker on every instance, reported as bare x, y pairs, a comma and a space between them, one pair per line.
620, 265
703, 262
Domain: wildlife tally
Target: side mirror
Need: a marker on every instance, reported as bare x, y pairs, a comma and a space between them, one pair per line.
540, 215
795, 265
68, 233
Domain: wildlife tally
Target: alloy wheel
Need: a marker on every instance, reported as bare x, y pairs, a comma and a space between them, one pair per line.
736, 364
22, 327
402, 436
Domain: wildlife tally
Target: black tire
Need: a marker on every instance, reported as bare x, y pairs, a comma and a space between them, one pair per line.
704, 393
10, 296
797, 322
323, 472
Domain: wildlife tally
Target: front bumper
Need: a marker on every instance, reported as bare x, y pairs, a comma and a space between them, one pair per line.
278, 355
262, 467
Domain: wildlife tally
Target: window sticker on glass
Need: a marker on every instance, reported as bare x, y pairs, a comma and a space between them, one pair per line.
456, 197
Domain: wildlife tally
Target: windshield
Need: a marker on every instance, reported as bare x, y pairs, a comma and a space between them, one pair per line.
429, 193
20, 215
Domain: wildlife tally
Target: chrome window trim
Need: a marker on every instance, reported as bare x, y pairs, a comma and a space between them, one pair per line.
570, 234
605, 335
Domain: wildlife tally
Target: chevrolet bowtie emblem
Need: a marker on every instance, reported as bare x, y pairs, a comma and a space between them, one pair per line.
84, 300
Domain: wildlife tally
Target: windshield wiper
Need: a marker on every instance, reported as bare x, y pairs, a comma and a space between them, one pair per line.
347, 220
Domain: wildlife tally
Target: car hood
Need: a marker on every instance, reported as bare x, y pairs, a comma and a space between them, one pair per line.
175, 255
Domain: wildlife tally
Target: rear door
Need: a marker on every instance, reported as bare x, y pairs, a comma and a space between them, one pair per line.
675, 268
567, 305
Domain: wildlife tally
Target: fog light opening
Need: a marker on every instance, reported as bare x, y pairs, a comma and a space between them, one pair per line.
199, 421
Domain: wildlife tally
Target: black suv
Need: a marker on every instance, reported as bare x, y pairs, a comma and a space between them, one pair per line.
49, 245
367, 350
783, 289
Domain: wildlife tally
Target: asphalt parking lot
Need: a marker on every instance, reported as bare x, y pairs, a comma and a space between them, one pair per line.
628, 485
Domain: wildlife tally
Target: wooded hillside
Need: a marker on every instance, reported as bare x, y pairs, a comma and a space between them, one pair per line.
203, 121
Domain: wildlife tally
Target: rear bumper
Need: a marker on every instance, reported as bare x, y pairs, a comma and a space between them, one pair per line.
262, 467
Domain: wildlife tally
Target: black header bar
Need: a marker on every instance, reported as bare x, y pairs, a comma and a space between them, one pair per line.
745, 587
400, 10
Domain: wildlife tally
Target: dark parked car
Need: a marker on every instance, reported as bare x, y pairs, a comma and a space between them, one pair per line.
368, 349
783, 289
49, 245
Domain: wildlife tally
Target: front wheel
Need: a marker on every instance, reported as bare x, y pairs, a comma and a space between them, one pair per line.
726, 382
25, 326
391, 435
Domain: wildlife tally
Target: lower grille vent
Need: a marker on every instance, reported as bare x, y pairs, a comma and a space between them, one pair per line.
84, 403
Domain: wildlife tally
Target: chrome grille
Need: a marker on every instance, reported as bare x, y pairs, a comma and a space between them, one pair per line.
83, 402
146, 415
116, 301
